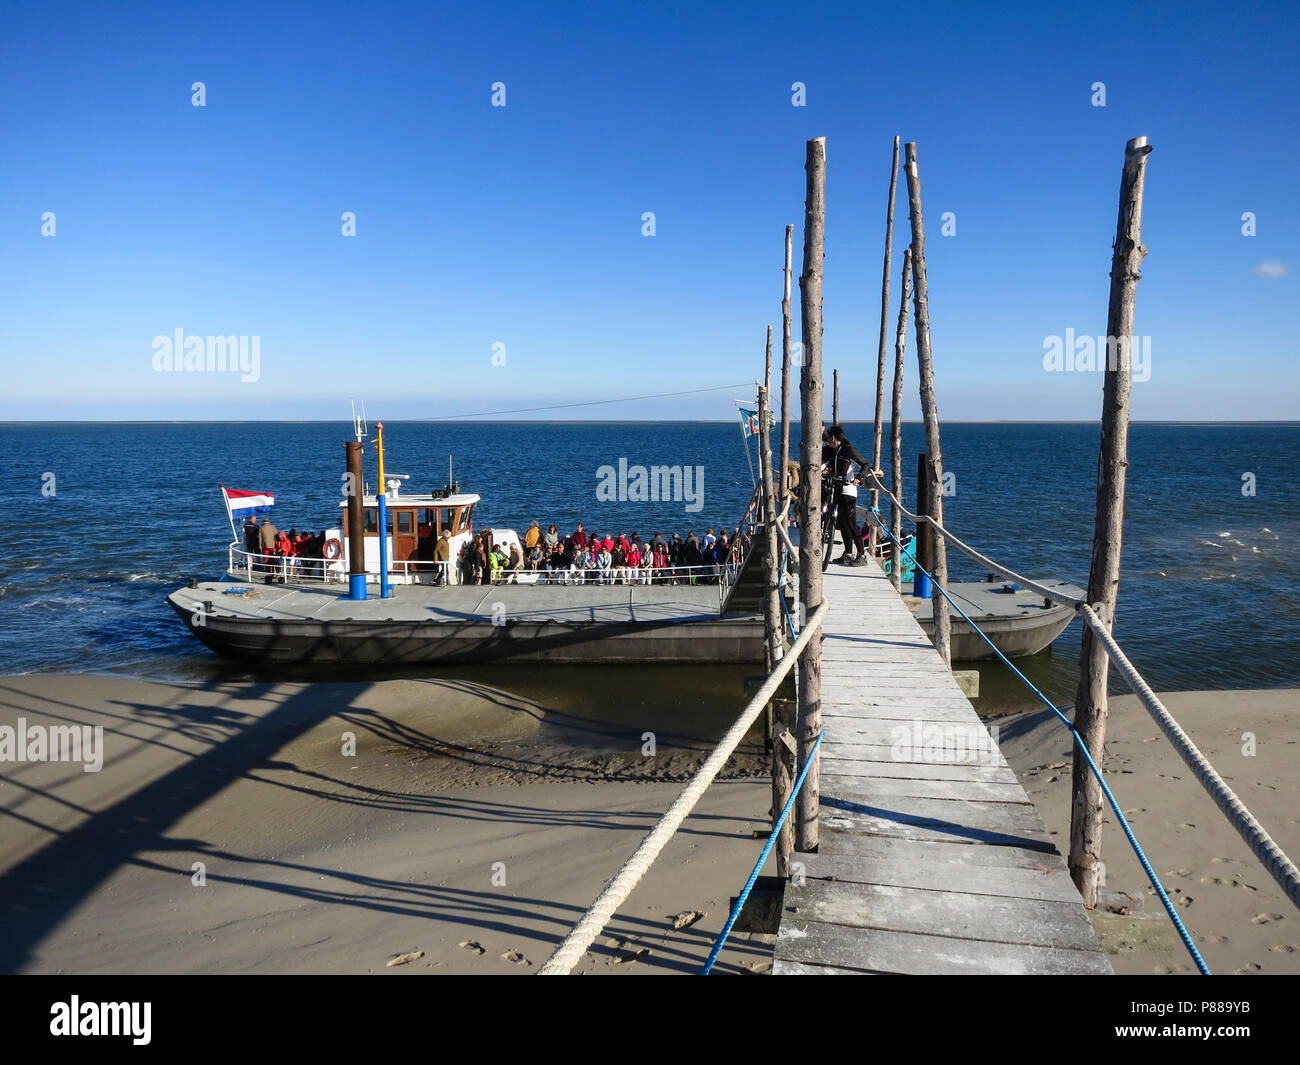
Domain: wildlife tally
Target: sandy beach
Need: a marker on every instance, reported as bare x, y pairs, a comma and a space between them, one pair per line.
465, 828
1239, 919
234, 828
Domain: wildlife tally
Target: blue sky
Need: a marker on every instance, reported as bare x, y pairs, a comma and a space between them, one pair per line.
522, 225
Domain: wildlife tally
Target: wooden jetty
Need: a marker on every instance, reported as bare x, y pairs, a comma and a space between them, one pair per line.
925, 865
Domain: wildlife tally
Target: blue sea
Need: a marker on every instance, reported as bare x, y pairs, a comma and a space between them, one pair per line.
101, 520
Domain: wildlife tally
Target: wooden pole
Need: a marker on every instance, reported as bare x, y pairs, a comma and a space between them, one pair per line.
924, 534
835, 396
884, 329
810, 506
1103, 579
772, 629
785, 369
896, 420
929, 408
782, 780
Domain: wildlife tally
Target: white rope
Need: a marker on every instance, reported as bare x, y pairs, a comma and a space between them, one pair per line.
1010, 574
584, 933
1279, 866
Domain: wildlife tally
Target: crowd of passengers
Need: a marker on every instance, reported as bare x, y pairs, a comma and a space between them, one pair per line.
593, 558
550, 557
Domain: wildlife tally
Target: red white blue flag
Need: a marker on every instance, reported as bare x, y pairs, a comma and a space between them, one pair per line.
242, 504
748, 422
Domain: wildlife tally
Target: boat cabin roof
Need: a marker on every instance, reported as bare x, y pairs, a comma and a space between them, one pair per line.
464, 499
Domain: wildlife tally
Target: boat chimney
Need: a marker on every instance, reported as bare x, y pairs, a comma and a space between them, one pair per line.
356, 531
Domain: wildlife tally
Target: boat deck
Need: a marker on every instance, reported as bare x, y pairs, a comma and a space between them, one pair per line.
932, 859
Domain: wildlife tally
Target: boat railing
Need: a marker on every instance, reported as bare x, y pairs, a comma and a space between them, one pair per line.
670, 574
301, 569
298, 569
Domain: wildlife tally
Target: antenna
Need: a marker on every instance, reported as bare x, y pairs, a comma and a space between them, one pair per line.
359, 423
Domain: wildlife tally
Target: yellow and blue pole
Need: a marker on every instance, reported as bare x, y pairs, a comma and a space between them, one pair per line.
385, 591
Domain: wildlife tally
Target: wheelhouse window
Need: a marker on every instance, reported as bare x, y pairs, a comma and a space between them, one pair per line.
404, 522
372, 522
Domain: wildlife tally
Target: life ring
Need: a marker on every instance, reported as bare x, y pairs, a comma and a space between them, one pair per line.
332, 549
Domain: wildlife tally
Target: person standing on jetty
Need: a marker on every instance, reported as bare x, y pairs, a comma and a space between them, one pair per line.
841, 455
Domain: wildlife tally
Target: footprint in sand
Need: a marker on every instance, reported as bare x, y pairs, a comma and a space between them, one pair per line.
402, 959
687, 918
1286, 948
516, 957
473, 946
1249, 967
1234, 882
1265, 918
1216, 939
628, 950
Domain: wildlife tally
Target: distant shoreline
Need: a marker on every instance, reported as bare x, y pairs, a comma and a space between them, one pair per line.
470, 420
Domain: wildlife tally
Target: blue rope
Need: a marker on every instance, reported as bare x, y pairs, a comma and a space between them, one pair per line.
1083, 749
767, 849
780, 583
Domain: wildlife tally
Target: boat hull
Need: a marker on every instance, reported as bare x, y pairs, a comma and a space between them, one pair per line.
301, 626
1018, 623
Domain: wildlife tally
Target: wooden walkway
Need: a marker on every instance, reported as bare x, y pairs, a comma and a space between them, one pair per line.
932, 858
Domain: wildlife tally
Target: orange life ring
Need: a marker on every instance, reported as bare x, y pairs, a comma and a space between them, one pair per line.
332, 549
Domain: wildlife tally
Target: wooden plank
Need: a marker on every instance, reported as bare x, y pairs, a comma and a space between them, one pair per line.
882, 951
904, 826
836, 776
781, 967
956, 852
847, 757
954, 914
1036, 882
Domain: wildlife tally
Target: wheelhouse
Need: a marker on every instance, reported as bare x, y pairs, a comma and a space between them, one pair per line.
415, 523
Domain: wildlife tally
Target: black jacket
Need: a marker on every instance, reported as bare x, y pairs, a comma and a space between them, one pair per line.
842, 458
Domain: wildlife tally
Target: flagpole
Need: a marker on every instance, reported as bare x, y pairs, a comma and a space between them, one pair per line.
229, 516
744, 439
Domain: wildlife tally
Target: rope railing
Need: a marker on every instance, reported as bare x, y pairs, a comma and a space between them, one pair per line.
1270, 855
584, 933
762, 857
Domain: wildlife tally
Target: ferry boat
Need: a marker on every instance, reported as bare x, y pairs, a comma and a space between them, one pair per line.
316, 607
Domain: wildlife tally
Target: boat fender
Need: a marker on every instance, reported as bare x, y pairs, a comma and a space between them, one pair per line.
333, 549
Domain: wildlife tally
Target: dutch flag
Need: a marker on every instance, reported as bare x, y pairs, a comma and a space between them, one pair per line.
242, 504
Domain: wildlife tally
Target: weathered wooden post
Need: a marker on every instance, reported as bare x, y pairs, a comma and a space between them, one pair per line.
782, 778
835, 396
772, 629
810, 507
785, 367
1103, 579
884, 329
896, 421
924, 534
929, 409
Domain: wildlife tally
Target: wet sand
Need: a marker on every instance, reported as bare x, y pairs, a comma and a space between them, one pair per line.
1239, 919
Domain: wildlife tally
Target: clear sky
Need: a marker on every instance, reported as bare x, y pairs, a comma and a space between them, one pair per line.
522, 225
